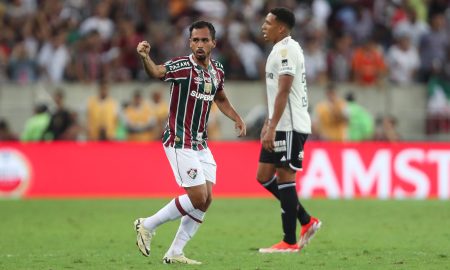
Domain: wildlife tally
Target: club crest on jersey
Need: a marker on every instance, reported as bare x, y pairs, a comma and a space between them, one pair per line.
284, 62
192, 173
301, 155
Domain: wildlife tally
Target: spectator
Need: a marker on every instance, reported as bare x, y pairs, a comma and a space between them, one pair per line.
250, 56
89, 58
102, 113
161, 110
129, 38
315, 61
362, 27
360, 121
21, 66
5, 133
53, 58
438, 107
403, 60
432, 46
139, 119
330, 119
63, 125
412, 26
339, 59
368, 64
386, 129
36, 125
99, 22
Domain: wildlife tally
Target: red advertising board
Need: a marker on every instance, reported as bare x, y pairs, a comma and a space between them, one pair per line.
332, 170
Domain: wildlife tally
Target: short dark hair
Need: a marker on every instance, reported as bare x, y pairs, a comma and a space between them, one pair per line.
284, 15
203, 24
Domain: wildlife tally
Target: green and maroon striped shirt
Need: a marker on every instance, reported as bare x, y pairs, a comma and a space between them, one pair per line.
192, 92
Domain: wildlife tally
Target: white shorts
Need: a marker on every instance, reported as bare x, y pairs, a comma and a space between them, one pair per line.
191, 168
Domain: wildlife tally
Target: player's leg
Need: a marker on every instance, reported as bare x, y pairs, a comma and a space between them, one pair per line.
269, 180
289, 203
288, 200
189, 174
310, 225
267, 167
190, 223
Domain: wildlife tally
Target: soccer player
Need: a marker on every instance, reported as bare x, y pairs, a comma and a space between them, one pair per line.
196, 81
286, 129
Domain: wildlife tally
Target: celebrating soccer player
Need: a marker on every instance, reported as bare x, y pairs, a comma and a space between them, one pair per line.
196, 81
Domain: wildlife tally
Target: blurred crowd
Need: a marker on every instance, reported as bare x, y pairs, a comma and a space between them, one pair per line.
367, 42
364, 41
142, 119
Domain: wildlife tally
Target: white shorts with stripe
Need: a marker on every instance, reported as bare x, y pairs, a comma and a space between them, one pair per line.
190, 167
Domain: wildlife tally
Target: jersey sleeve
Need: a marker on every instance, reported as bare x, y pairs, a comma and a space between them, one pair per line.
176, 70
287, 61
221, 74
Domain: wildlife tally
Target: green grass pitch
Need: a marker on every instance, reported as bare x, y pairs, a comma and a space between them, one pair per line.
98, 234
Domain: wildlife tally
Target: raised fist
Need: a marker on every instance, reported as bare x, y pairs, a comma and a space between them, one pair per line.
143, 48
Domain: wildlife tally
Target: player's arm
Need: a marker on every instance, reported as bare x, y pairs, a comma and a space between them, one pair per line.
226, 108
284, 88
152, 69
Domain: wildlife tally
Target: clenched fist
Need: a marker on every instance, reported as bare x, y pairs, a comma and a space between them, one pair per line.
143, 48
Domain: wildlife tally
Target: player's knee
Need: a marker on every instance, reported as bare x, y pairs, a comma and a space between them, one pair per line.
261, 178
199, 200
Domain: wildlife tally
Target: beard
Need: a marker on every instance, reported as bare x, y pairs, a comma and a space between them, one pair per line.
200, 57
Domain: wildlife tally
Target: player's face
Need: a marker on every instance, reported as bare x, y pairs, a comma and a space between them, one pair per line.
270, 28
201, 43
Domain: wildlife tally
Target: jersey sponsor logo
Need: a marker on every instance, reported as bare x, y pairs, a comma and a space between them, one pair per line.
192, 173
285, 68
280, 146
15, 173
202, 96
179, 65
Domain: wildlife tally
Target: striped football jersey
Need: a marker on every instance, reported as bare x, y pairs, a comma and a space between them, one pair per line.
192, 92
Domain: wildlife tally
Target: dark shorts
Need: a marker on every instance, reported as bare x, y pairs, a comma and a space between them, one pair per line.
288, 150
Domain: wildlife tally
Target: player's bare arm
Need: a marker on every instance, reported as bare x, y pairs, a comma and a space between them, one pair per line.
268, 134
152, 69
226, 108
